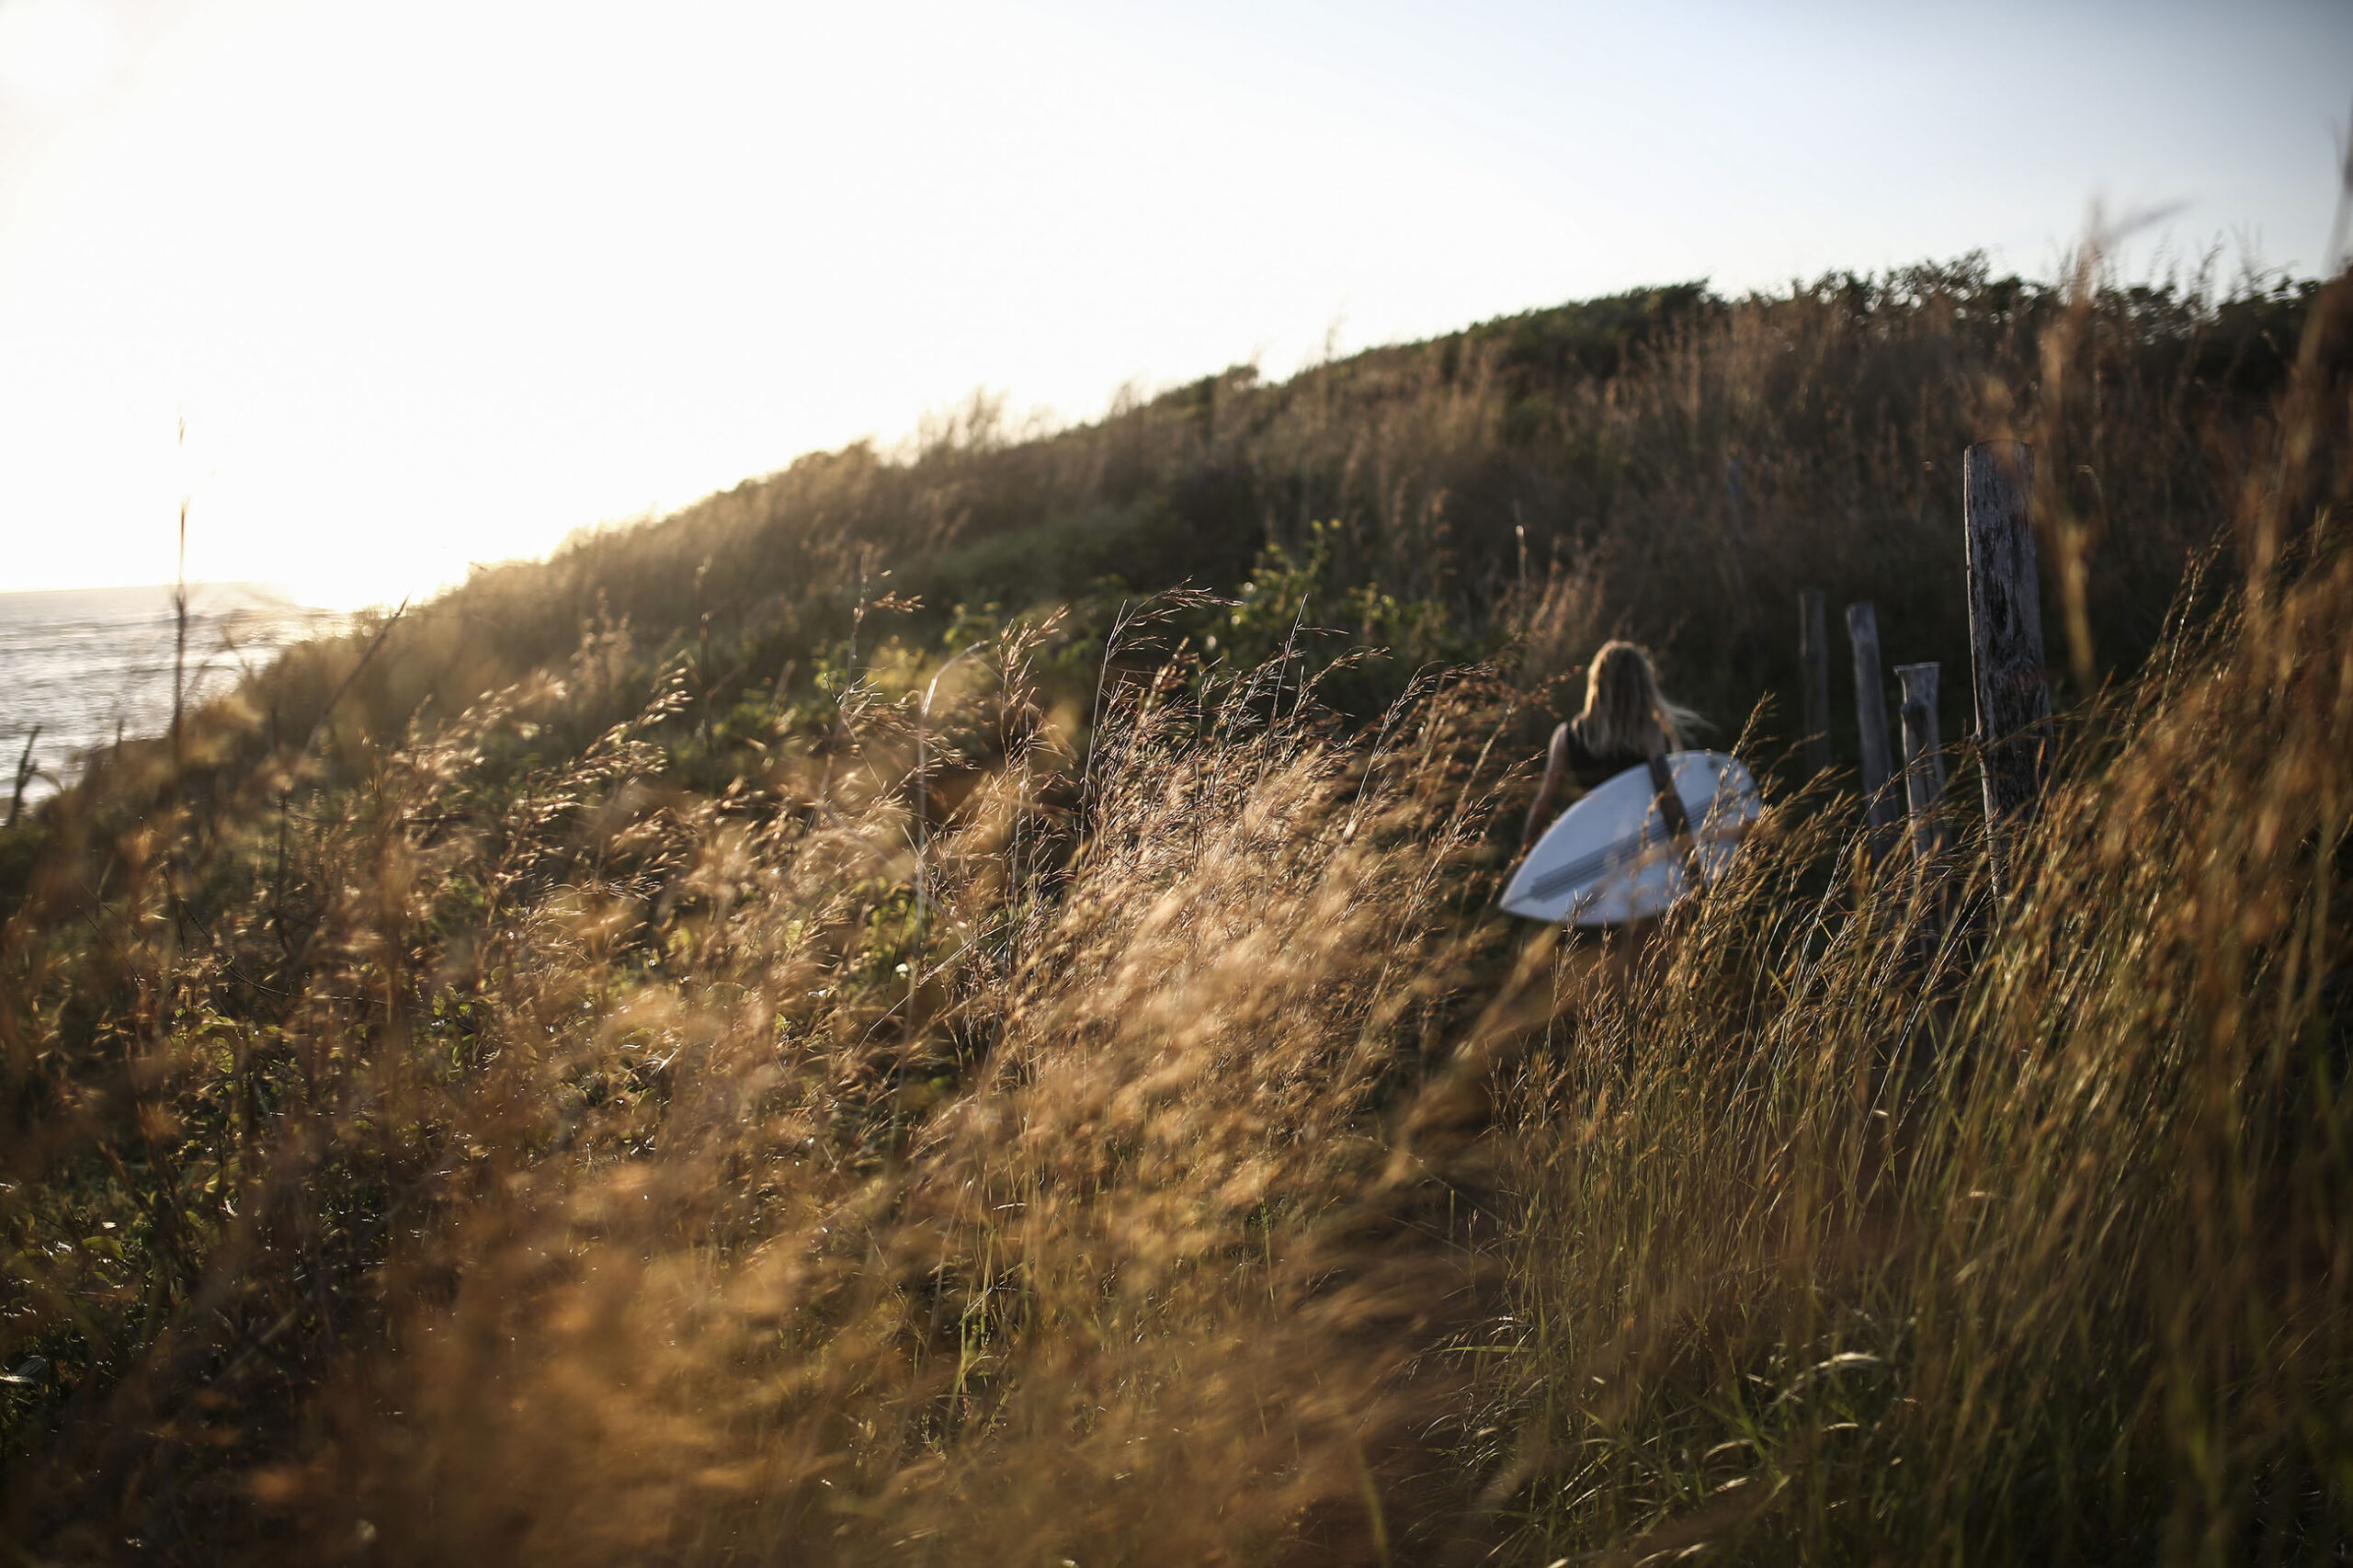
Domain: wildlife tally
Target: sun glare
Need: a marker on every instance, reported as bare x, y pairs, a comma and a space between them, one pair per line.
52, 52
529, 266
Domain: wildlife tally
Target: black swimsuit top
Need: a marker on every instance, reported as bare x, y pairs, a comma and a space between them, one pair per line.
1588, 770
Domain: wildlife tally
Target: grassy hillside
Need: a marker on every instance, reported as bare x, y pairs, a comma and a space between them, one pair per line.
1667, 465
948, 1007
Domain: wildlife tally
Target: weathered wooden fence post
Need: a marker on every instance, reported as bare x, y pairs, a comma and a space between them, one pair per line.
1923, 761
2005, 642
1813, 660
1870, 709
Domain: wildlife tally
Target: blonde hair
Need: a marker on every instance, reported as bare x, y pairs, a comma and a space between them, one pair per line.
1623, 708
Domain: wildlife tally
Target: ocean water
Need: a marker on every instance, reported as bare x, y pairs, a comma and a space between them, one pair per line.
84, 665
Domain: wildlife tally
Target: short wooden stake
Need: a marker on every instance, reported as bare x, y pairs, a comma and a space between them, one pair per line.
1814, 661
1870, 711
1924, 760
2005, 642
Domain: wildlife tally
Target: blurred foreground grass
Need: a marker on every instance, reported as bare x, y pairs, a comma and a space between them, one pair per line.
738, 1087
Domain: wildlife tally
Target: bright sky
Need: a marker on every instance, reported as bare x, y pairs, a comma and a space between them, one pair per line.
438, 282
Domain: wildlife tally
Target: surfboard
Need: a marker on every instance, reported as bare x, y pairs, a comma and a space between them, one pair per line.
1609, 857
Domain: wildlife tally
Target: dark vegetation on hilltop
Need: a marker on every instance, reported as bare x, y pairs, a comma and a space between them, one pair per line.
945, 1006
1681, 465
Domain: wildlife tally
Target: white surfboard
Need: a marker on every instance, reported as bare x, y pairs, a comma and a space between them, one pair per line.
1609, 857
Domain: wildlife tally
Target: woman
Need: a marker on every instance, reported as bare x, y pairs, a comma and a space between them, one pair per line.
1625, 723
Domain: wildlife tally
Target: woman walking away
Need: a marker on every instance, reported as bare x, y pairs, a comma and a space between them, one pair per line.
1625, 723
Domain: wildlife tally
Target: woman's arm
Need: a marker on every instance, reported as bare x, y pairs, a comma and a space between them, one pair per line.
1556, 767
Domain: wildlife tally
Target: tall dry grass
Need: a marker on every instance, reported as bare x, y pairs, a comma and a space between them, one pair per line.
634, 1177
2038, 1252
629, 1174
946, 1141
